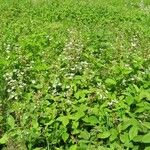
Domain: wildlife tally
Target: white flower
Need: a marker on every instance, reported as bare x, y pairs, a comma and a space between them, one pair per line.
13, 87
68, 87
20, 86
33, 81
68, 101
15, 70
133, 44
8, 90
72, 69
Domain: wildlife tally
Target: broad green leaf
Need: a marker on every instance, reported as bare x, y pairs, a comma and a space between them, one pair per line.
136, 87
110, 81
79, 115
138, 138
91, 120
38, 86
114, 134
80, 94
84, 134
1, 118
129, 100
82, 107
64, 120
127, 123
129, 144
11, 121
65, 136
123, 126
76, 131
104, 135
146, 124
133, 132
73, 147
145, 94
141, 109
4, 139
35, 124
147, 148
102, 148
124, 138
146, 138
75, 124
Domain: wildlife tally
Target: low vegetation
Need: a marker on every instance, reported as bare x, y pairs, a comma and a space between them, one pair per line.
75, 74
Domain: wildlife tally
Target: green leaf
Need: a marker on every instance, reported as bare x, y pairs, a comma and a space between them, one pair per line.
65, 136
104, 135
114, 134
84, 134
124, 138
123, 126
11, 121
35, 124
1, 118
147, 148
64, 120
146, 138
4, 139
146, 124
73, 147
138, 138
144, 94
91, 120
79, 114
75, 124
133, 132
110, 81
129, 100
127, 123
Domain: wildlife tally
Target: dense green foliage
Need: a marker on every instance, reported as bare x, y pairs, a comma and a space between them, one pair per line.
75, 74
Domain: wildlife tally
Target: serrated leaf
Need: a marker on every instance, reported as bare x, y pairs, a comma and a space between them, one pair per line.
4, 139
146, 138
65, 136
133, 132
11, 121
104, 135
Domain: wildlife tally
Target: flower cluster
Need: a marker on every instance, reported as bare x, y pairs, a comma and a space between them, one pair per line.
71, 56
16, 79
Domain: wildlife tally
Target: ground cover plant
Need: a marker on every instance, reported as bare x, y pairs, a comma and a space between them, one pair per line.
75, 74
